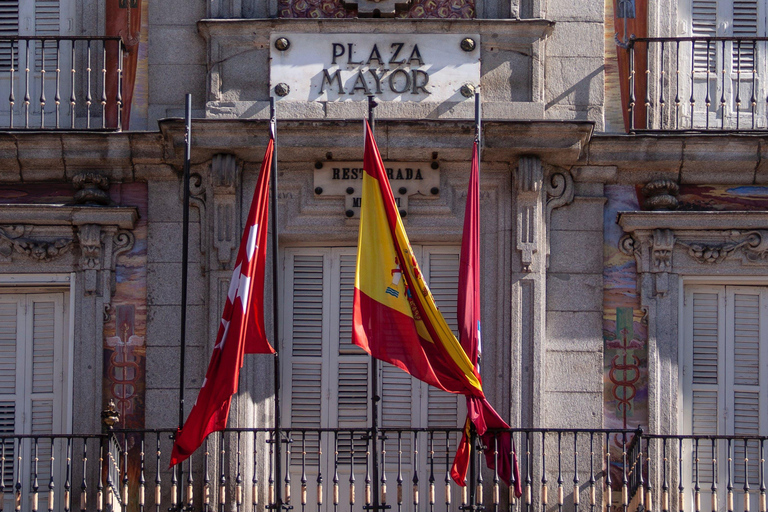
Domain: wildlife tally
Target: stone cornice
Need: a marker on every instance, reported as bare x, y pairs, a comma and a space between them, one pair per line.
693, 221
122, 217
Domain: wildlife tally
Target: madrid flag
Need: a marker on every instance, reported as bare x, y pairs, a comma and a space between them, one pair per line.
242, 325
479, 411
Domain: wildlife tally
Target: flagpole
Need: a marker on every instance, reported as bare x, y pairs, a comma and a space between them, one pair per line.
184, 267
374, 386
275, 311
472, 430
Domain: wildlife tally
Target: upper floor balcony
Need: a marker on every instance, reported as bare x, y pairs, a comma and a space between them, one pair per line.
684, 84
61, 83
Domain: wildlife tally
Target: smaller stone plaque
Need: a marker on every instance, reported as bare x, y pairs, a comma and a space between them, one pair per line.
335, 179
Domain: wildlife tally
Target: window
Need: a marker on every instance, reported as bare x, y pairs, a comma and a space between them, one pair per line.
327, 379
34, 371
725, 381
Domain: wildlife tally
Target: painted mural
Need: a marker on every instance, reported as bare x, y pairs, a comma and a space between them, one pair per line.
457, 9
625, 333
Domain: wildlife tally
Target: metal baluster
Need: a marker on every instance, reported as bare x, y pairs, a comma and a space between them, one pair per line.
303, 471
319, 472
190, 485
648, 484
2, 467
207, 477
729, 500
431, 471
680, 486
254, 476
72, 96
632, 86
624, 479
753, 99
692, 101
369, 440
42, 83
110, 463
662, 101
528, 478
238, 477
67, 478
271, 478
335, 471
762, 473
647, 85
677, 85
27, 98
544, 496
665, 481
19, 469
158, 480
88, 94
713, 488
99, 482
125, 472
351, 470
222, 498
415, 471
119, 98
746, 477
287, 479
639, 469
608, 483
11, 98
174, 487
738, 81
35, 486
83, 484
592, 491
142, 479
496, 497
707, 100
383, 479
57, 97
722, 89
51, 484
104, 85
560, 497
480, 480
576, 497
447, 472
399, 470
513, 483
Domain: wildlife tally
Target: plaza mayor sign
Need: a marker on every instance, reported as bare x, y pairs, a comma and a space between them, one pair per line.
392, 67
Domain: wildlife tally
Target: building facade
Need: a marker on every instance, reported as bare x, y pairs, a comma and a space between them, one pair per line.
624, 241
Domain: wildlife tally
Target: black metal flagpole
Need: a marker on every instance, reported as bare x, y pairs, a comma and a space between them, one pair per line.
184, 270
374, 387
275, 311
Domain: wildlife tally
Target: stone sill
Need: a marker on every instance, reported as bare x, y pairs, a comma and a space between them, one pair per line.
693, 221
124, 217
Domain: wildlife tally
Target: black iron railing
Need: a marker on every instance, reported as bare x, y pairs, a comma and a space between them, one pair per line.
330, 469
695, 83
61, 82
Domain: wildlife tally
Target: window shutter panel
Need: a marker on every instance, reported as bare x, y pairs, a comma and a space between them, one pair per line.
705, 338
7, 427
745, 16
47, 23
9, 27
43, 342
8, 325
347, 264
704, 24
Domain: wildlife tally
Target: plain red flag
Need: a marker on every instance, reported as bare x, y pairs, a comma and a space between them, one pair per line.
242, 325
479, 411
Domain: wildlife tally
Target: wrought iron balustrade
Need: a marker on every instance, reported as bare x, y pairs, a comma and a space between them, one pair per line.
695, 83
61, 83
330, 469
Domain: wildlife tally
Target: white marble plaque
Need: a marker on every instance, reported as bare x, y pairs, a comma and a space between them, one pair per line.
407, 179
393, 67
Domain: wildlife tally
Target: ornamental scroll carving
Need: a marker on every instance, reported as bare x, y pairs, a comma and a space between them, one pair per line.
16, 239
750, 247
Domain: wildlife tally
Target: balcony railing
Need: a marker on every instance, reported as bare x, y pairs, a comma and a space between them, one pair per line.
61, 83
330, 469
695, 83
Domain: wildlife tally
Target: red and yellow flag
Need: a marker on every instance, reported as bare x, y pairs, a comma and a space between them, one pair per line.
395, 318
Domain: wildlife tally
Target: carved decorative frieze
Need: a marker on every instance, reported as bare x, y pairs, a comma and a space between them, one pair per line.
750, 246
16, 239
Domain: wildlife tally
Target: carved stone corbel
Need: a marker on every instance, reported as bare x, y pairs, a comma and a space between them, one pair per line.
559, 193
653, 254
225, 178
198, 199
529, 204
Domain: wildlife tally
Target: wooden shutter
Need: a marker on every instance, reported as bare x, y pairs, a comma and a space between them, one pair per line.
9, 27
704, 24
745, 17
8, 377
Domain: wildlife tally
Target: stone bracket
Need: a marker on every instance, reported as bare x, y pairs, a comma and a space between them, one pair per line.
225, 181
529, 205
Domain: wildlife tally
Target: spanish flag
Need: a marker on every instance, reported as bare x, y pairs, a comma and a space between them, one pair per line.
395, 318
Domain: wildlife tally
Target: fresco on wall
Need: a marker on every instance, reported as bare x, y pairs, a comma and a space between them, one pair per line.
625, 332
456, 9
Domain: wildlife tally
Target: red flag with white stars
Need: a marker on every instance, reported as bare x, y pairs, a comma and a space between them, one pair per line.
242, 326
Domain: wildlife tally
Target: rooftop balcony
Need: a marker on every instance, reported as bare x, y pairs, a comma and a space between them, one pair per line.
61, 83
695, 84
331, 469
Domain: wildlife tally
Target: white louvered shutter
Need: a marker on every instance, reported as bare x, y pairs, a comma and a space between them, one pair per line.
47, 23
745, 19
704, 24
10, 347
9, 27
